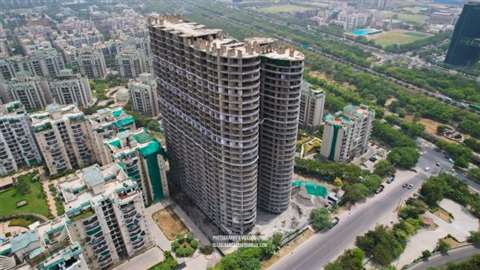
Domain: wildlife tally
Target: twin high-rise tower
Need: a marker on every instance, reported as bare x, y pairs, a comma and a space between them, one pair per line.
230, 111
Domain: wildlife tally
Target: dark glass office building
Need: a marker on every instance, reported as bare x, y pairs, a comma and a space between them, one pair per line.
465, 45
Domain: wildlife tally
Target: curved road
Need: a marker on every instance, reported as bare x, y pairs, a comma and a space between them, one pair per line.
456, 255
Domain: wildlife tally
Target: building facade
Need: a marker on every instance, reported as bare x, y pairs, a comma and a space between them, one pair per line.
346, 133
465, 44
107, 215
32, 92
143, 95
69, 88
17, 144
62, 136
210, 90
91, 63
132, 62
144, 161
311, 106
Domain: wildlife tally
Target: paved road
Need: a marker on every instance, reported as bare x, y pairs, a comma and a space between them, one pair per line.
323, 248
457, 255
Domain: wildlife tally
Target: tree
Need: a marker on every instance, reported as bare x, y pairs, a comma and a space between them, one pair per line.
474, 238
372, 182
404, 157
474, 174
277, 239
320, 219
384, 168
443, 246
22, 187
426, 254
354, 193
351, 260
432, 193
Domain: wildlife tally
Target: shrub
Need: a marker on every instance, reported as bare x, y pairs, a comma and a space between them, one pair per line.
206, 250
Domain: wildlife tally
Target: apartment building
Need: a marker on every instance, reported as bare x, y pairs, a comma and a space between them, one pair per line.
17, 144
346, 133
106, 124
69, 88
311, 106
32, 92
91, 62
62, 136
131, 62
143, 159
44, 246
214, 92
143, 95
106, 215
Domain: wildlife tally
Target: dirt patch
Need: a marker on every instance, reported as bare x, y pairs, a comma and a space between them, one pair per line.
323, 76
452, 242
285, 250
169, 223
443, 215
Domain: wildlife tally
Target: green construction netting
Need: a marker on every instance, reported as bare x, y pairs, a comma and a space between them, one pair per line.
311, 188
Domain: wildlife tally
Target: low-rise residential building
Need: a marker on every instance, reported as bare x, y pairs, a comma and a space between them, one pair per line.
106, 213
45, 246
62, 136
143, 159
32, 92
346, 133
17, 144
312, 104
91, 62
106, 124
69, 88
143, 95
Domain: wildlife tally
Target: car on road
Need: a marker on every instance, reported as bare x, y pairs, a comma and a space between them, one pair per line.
380, 189
390, 179
427, 169
334, 222
407, 186
437, 164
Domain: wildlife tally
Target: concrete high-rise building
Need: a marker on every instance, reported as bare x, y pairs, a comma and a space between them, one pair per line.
62, 136
32, 92
210, 94
106, 215
465, 45
311, 106
346, 133
91, 62
143, 95
106, 124
143, 159
132, 62
17, 143
69, 88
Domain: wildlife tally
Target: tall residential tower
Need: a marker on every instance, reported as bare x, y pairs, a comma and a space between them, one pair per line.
230, 112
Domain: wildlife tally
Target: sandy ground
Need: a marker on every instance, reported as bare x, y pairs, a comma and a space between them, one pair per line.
170, 224
426, 239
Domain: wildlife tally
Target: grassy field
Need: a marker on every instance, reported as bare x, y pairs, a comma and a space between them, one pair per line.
36, 201
284, 9
400, 37
413, 18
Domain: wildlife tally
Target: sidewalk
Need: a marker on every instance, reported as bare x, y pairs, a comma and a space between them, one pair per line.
143, 261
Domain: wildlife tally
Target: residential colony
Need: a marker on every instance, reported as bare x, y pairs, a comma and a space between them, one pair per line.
230, 111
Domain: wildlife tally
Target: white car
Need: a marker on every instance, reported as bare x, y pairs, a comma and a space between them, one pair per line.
427, 169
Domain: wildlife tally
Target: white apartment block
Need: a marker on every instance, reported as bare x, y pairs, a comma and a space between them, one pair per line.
69, 88
106, 124
91, 62
312, 104
17, 144
346, 133
62, 136
143, 159
132, 62
143, 95
32, 92
107, 215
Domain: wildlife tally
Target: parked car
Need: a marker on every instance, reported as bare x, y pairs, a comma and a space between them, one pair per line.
390, 179
334, 222
380, 189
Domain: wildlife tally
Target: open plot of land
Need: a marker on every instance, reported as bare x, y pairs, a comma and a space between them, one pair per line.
34, 198
284, 9
169, 223
426, 239
399, 37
